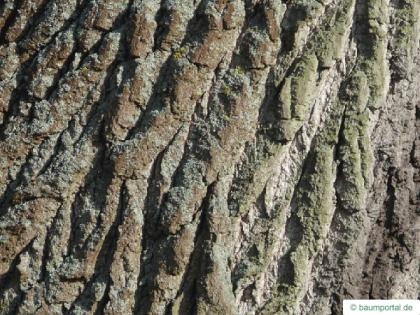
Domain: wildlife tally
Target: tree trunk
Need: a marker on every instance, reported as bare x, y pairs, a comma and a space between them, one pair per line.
208, 157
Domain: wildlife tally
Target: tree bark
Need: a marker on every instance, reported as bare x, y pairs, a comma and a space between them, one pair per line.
208, 157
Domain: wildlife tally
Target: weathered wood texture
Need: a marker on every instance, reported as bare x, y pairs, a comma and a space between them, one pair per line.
208, 157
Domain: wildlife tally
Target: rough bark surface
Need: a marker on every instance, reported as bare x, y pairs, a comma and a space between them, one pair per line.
208, 157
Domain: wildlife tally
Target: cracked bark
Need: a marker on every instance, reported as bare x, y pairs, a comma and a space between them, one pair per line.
208, 157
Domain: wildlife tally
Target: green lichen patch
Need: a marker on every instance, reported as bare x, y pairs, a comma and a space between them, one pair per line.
287, 129
285, 100
313, 212
357, 93
252, 177
351, 187
179, 53
295, 98
314, 197
329, 41
372, 59
354, 148
302, 87
405, 20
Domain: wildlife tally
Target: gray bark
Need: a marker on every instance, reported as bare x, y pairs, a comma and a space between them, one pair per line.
208, 157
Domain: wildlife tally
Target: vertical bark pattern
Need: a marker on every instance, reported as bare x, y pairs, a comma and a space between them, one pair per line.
208, 157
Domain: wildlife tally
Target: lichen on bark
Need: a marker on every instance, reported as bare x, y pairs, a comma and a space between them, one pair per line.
208, 157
